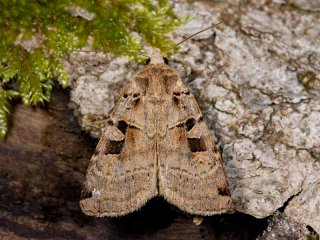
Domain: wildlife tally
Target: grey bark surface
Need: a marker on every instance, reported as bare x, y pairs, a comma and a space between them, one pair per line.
257, 80
281, 227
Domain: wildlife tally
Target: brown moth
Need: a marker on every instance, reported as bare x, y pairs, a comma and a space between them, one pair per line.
156, 143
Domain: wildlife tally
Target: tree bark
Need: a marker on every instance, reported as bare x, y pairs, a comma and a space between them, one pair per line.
257, 82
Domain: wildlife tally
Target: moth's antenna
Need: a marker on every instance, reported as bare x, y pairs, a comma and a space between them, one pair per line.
199, 32
112, 50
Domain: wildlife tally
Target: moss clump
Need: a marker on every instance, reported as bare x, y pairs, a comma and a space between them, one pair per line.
37, 34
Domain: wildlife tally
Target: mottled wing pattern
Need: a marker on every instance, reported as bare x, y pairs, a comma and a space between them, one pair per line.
191, 173
121, 175
156, 143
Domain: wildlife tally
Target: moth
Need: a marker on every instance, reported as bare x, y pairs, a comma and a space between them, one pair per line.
156, 143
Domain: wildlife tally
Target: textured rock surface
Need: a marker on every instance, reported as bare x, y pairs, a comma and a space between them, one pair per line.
257, 80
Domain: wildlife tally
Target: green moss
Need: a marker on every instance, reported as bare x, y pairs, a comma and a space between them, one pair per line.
37, 34
5, 98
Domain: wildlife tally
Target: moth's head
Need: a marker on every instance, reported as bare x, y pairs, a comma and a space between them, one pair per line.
156, 58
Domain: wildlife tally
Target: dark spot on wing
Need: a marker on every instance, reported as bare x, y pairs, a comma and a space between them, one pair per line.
176, 97
115, 147
136, 101
175, 100
190, 124
122, 126
197, 145
223, 191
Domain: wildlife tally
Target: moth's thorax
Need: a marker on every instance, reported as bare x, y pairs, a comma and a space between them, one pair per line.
157, 81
